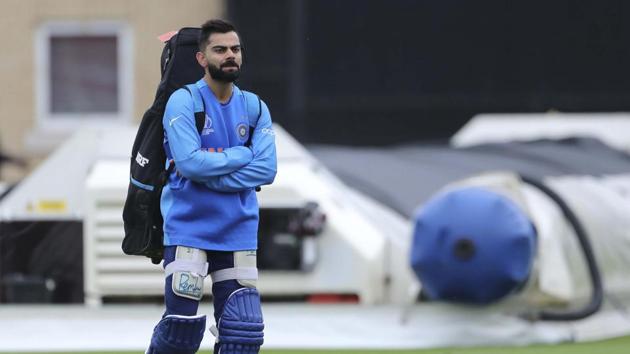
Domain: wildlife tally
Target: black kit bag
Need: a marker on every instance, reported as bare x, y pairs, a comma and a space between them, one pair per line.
142, 217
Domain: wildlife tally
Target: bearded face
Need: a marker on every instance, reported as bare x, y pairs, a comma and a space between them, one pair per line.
222, 57
227, 72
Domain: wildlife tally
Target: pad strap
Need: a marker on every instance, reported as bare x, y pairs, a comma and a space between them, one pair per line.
183, 265
238, 273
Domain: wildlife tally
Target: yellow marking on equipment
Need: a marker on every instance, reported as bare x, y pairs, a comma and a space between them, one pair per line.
51, 206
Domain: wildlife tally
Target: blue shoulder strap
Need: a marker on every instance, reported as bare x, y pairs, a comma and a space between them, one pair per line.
254, 110
196, 96
254, 107
198, 106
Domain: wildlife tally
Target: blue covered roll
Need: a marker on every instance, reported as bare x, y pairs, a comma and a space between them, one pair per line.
472, 245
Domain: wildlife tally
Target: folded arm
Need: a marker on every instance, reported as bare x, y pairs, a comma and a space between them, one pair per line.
262, 168
185, 144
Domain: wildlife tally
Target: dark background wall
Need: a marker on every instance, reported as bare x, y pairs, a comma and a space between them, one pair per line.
381, 72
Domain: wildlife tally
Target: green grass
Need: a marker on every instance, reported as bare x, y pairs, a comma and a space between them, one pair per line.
612, 346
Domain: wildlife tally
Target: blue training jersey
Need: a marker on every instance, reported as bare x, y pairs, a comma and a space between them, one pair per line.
209, 201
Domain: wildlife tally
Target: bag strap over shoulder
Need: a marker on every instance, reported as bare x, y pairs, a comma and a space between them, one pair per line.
254, 106
198, 106
254, 111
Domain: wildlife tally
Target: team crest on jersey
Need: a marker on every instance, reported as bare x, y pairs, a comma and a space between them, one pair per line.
241, 130
207, 126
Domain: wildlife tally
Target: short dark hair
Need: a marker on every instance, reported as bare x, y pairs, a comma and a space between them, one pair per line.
213, 26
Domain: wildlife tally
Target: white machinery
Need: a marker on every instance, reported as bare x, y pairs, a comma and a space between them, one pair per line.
87, 178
